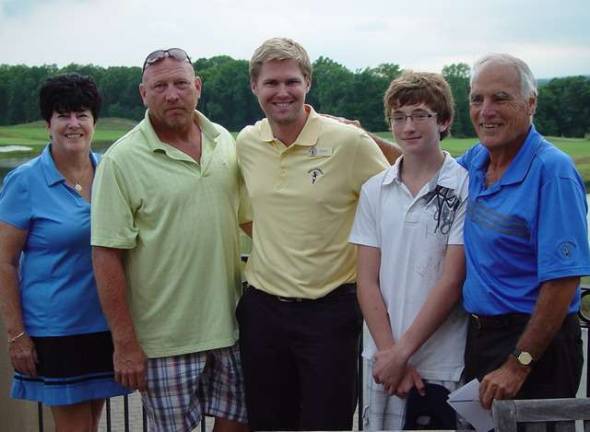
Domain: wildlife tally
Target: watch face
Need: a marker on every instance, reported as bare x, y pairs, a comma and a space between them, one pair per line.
525, 358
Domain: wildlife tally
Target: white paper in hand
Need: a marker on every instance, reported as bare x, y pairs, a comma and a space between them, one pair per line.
465, 401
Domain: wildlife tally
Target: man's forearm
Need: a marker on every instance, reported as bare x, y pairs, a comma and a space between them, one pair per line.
112, 291
375, 315
390, 149
550, 310
546, 320
439, 303
370, 298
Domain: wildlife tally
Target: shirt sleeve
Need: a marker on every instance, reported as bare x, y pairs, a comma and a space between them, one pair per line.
112, 210
456, 233
365, 229
562, 232
368, 161
466, 158
15, 201
245, 207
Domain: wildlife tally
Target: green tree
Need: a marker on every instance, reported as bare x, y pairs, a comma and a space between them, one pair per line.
226, 97
563, 107
458, 75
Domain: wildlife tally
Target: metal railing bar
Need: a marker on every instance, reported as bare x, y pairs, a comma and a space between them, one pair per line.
108, 408
126, 412
40, 415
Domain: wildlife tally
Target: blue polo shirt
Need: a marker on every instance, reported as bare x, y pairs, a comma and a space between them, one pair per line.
527, 228
58, 292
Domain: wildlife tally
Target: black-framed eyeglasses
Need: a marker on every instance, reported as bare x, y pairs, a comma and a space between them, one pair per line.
159, 55
419, 117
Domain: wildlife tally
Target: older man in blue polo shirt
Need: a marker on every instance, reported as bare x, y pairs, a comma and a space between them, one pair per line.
526, 244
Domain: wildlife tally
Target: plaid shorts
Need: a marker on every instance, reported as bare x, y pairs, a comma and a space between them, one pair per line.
181, 389
382, 411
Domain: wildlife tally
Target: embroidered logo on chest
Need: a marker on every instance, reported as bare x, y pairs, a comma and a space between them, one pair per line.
315, 174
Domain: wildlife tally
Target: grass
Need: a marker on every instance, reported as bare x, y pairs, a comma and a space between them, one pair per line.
35, 134
577, 148
110, 129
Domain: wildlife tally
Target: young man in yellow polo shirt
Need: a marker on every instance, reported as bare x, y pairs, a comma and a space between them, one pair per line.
299, 318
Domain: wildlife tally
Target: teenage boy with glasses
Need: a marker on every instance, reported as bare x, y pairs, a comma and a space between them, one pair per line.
410, 262
166, 254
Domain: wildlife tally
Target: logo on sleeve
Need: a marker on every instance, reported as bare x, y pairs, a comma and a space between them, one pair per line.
566, 250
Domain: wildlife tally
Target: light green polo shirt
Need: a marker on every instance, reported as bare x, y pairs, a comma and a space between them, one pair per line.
303, 200
178, 221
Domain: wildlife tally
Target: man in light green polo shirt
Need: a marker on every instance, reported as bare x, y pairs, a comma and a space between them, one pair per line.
299, 318
166, 254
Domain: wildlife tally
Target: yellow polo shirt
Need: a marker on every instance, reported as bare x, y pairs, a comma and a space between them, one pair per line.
177, 219
303, 200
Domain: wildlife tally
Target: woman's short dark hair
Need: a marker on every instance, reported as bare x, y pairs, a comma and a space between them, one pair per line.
69, 92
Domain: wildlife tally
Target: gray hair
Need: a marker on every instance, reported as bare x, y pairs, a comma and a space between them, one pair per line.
528, 84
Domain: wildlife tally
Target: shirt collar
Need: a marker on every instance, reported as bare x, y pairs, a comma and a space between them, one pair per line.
308, 136
521, 163
445, 177
519, 166
208, 130
50, 171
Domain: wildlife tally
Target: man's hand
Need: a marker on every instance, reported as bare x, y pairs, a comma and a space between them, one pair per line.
129, 362
411, 379
23, 356
502, 383
389, 367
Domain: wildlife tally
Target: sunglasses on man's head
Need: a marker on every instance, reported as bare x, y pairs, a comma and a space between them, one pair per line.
159, 55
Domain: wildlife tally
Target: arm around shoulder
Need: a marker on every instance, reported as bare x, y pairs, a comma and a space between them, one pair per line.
390, 150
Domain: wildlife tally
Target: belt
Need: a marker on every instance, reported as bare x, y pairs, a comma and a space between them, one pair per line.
349, 288
498, 321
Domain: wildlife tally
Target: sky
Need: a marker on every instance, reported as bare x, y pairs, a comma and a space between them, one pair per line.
552, 36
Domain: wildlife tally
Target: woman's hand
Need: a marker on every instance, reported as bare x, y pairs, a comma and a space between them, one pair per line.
23, 355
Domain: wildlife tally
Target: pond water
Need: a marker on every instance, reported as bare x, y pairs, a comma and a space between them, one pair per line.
13, 157
14, 148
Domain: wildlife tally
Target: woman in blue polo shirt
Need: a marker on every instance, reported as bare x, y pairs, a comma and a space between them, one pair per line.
59, 342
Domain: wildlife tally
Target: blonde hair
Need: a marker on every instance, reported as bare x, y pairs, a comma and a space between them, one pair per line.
279, 49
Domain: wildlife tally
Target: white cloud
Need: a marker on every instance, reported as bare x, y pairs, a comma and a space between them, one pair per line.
423, 36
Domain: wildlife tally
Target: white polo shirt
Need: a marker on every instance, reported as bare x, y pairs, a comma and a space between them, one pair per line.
412, 234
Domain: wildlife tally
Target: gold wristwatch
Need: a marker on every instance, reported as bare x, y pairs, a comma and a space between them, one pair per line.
524, 358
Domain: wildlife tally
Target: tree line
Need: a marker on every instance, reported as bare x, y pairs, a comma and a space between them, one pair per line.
563, 105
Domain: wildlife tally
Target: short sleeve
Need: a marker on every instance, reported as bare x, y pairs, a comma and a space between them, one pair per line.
365, 230
113, 222
15, 201
466, 159
562, 233
245, 209
456, 232
369, 160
